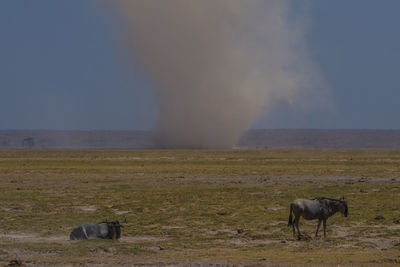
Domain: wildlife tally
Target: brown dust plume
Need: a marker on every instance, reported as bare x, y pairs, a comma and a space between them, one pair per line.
217, 65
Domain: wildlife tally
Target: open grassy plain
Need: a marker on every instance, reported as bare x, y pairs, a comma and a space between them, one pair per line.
186, 207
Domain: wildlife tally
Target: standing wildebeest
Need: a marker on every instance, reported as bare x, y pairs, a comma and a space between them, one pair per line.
106, 230
320, 208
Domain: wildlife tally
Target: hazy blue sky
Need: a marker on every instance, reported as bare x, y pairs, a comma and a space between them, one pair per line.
60, 68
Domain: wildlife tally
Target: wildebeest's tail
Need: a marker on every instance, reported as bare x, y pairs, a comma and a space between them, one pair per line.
290, 222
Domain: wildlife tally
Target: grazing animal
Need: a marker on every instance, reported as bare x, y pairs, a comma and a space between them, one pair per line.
106, 230
320, 208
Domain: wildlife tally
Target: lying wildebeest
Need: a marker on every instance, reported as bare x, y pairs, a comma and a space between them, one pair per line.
320, 208
106, 230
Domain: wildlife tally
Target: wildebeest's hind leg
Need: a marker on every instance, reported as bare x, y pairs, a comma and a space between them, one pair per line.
296, 222
78, 234
319, 224
291, 222
324, 228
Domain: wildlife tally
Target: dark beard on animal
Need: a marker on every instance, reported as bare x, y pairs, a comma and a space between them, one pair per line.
111, 231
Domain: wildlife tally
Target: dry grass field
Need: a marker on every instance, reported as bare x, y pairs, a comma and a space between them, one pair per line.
197, 208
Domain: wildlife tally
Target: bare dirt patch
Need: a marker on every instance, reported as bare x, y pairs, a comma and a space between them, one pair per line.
261, 180
87, 208
32, 238
135, 239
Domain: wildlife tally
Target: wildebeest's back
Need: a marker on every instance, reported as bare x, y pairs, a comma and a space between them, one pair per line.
89, 231
97, 230
309, 209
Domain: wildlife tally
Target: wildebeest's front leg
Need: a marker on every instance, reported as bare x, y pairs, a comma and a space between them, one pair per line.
294, 231
324, 228
319, 224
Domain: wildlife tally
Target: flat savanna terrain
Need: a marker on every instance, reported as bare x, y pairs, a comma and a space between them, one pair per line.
198, 207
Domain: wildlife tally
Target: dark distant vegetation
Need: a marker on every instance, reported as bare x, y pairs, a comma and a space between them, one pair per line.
260, 139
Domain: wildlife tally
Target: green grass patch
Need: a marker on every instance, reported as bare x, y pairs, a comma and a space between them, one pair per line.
198, 206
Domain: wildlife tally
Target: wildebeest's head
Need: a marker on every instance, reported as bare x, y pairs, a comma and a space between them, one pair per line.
343, 207
117, 226
114, 229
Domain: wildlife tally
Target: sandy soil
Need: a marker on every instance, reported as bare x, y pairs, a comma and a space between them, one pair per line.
255, 180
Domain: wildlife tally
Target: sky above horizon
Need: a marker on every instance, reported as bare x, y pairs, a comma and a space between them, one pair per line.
62, 68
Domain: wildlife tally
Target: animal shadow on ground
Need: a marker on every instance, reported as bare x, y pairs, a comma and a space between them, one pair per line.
304, 237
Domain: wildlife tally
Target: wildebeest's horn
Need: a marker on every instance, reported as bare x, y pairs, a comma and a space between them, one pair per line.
341, 199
